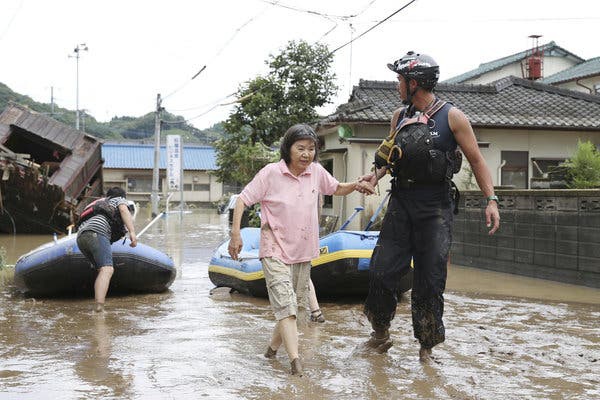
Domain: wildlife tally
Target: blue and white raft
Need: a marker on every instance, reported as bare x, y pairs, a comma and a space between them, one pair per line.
58, 268
341, 270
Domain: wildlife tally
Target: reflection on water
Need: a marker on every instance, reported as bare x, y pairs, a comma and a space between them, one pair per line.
507, 336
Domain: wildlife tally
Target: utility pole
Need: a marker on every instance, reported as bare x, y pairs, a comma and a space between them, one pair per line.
155, 171
52, 101
79, 48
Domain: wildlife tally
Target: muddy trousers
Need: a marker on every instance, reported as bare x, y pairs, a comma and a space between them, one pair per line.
421, 230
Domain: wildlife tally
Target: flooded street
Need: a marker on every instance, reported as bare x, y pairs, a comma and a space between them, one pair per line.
507, 337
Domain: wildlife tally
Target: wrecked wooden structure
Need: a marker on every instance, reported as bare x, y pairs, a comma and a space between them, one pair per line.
48, 172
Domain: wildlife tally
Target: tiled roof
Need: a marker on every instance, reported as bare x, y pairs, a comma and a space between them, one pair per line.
509, 102
549, 49
141, 156
587, 68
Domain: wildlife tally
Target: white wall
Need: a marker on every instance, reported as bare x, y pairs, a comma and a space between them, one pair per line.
551, 66
585, 85
357, 161
119, 177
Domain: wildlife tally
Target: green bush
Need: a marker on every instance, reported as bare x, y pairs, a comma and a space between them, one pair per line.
583, 169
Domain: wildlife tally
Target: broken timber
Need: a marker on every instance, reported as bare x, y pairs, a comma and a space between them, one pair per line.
48, 172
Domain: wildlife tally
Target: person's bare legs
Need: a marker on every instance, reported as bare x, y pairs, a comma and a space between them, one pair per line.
101, 286
286, 333
315, 312
276, 341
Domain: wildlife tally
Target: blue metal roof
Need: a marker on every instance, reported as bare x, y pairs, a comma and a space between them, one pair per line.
549, 49
141, 156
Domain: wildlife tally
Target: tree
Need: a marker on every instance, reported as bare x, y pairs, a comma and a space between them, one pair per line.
299, 81
239, 162
583, 169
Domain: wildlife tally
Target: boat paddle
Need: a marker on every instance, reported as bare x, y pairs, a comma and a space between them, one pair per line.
356, 211
150, 224
372, 220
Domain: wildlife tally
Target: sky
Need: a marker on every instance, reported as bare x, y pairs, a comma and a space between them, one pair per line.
138, 49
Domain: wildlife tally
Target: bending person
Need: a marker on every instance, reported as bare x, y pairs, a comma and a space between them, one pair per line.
95, 235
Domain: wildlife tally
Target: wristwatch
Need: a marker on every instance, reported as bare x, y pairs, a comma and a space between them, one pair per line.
492, 198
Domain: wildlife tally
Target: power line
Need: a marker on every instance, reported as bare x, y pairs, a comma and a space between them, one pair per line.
11, 20
373, 27
314, 63
237, 31
320, 14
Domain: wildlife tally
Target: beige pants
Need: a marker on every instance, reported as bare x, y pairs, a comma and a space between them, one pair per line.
287, 285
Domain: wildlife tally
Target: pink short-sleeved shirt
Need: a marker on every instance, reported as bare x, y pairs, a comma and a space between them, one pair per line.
288, 206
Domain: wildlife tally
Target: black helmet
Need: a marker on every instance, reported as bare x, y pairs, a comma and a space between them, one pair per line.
420, 67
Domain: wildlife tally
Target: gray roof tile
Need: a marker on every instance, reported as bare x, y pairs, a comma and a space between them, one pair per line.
587, 68
548, 49
509, 102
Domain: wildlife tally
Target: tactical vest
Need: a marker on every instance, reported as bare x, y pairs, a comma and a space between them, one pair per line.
410, 154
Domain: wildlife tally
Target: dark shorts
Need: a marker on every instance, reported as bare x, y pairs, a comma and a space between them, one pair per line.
96, 248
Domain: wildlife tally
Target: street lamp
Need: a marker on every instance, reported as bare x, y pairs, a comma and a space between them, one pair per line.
79, 48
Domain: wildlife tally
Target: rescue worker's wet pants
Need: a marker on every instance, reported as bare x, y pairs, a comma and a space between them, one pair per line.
421, 230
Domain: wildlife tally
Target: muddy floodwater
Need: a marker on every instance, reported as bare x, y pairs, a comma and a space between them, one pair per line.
507, 337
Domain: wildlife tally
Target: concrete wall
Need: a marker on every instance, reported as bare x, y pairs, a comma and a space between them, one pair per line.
548, 234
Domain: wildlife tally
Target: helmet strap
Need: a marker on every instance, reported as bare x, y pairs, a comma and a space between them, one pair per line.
409, 94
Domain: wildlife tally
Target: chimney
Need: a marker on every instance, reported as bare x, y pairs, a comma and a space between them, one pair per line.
534, 63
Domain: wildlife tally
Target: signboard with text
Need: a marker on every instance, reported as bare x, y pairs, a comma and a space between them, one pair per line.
174, 162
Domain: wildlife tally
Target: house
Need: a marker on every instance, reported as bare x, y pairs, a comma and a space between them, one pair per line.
523, 128
49, 172
583, 77
549, 64
130, 165
536, 63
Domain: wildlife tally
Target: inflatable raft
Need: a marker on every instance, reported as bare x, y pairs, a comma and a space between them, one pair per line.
58, 268
341, 270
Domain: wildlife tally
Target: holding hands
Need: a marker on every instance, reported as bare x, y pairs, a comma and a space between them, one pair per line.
364, 186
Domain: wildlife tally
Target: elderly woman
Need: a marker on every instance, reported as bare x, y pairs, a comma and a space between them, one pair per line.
288, 193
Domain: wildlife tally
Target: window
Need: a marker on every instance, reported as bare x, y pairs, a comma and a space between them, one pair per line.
514, 171
187, 187
140, 184
328, 200
201, 187
548, 168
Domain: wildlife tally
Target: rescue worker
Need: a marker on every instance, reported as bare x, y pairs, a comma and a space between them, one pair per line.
418, 221
95, 235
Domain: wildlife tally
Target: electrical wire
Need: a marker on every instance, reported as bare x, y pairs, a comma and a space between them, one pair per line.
237, 31
373, 27
320, 14
12, 19
314, 63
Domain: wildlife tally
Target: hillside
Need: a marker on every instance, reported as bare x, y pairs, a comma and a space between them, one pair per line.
125, 127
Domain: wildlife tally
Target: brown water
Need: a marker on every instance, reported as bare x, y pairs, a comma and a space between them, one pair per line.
507, 337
